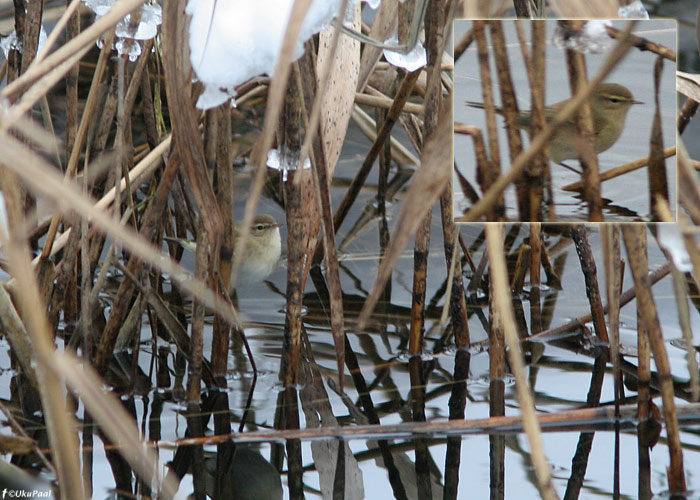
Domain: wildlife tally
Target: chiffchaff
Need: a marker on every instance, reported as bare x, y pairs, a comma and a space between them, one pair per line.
262, 251
610, 103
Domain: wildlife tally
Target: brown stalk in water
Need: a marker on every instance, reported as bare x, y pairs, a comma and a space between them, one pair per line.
589, 270
503, 308
428, 183
635, 243
221, 121
610, 238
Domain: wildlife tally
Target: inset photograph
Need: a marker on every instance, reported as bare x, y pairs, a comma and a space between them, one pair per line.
565, 121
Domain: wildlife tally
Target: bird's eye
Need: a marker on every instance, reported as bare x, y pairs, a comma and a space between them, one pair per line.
614, 99
259, 227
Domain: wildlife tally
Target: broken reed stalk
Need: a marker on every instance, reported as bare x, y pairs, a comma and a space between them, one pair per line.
194, 374
644, 45
658, 183
455, 289
289, 130
17, 336
290, 138
460, 325
482, 160
434, 26
522, 265
510, 111
420, 267
680, 289
477, 274
589, 270
458, 396
536, 256
494, 165
423, 458
502, 302
610, 239
537, 174
622, 169
635, 243
383, 27
576, 66
188, 142
86, 281
540, 167
30, 32
497, 377
463, 44
221, 334
293, 446
645, 404
400, 153
552, 276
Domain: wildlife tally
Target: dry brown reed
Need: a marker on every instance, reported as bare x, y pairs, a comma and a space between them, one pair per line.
187, 177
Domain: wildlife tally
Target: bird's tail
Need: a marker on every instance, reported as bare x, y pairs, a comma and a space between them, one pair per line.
190, 246
474, 104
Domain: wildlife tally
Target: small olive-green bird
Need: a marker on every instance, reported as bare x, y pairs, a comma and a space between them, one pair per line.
262, 251
610, 103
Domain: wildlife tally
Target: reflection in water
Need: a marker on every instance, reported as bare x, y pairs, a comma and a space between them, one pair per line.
567, 369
